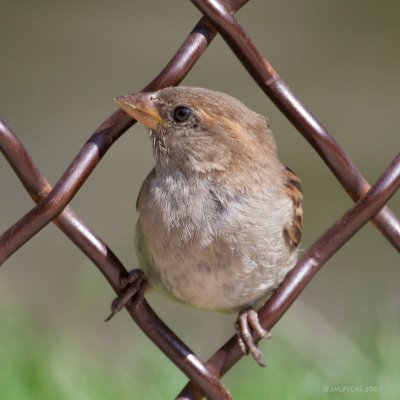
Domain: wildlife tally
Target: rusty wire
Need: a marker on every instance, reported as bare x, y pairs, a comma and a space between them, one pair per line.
52, 203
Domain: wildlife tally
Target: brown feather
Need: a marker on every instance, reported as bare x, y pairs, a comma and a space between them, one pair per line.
293, 189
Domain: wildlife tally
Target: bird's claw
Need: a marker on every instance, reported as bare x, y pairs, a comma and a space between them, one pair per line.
132, 287
249, 329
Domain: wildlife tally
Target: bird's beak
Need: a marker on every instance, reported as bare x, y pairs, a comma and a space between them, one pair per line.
141, 106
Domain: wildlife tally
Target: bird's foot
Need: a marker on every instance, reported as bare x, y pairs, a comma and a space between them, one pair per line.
132, 289
249, 330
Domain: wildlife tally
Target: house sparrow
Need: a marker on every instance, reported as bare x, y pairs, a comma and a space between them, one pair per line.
220, 217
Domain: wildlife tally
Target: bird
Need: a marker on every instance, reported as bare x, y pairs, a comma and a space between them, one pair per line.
220, 216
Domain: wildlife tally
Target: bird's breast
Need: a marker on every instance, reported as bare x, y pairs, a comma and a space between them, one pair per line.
212, 248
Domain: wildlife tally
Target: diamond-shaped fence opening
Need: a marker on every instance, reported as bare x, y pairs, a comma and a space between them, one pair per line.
52, 203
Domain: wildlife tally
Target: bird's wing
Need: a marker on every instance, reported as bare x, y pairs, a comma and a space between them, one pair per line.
145, 262
145, 186
292, 231
143, 255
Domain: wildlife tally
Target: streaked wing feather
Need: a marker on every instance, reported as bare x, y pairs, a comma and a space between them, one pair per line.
292, 232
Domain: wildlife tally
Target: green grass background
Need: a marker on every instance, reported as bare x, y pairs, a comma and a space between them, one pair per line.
61, 65
42, 366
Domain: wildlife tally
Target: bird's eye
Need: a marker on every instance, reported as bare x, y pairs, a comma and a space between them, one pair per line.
182, 114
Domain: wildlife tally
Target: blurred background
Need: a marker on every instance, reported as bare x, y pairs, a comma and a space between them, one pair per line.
62, 64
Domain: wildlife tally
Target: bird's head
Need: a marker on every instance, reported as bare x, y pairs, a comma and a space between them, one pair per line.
202, 131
